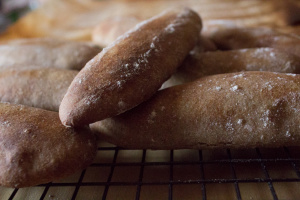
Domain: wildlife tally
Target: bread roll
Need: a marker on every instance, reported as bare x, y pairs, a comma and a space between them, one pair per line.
204, 44
236, 110
41, 88
201, 64
131, 69
293, 30
240, 38
46, 52
36, 148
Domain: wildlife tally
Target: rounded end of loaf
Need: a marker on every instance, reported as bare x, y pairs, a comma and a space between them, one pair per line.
37, 148
77, 108
65, 114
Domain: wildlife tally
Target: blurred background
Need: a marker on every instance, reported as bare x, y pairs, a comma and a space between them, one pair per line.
11, 10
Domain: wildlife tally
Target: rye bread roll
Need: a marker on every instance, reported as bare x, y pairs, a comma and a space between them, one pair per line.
200, 64
240, 38
236, 110
293, 30
36, 148
132, 69
46, 52
41, 88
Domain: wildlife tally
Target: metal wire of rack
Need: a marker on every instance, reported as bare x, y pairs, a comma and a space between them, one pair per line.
177, 174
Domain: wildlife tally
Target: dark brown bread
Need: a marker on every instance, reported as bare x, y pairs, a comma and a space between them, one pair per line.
131, 69
237, 110
293, 30
36, 148
240, 38
41, 88
201, 64
46, 52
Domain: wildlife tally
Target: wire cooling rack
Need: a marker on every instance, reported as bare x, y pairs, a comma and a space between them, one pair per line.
177, 174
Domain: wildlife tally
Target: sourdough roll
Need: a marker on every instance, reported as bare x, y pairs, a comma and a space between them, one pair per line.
46, 52
36, 148
41, 88
132, 69
236, 110
199, 64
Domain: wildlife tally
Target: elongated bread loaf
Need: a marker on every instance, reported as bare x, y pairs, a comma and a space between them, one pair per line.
36, 148
41, 88
236, 110
46, 52
201, 64
131, 69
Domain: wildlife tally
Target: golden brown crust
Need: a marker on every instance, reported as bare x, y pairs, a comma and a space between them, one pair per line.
36, 148
41, 88
46, 52
201, 64
237, 110
131, 69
